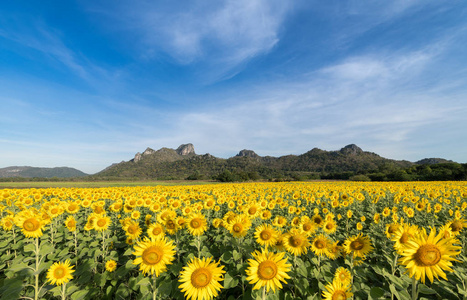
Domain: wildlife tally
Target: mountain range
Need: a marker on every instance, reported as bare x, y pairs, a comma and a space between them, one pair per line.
184, 163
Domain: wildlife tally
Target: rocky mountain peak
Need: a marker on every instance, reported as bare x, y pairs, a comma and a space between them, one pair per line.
185, 149
351, 149
247, 153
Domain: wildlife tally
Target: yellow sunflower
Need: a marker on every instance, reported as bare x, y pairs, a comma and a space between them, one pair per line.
429, 255
307, 227
196, 224
267, 269
153, 256
343, 275
110, 265
358, 245
31, 225
102, 223
70, 223
403, 235
72, 207
132, 229
296, 242
330, 226
155, 231
337, 290
457, 225
200, 279
60, 273
239, 226
266, 235
317, 220
320, 245
334, 250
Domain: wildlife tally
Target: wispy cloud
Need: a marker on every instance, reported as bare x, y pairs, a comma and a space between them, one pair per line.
223, 36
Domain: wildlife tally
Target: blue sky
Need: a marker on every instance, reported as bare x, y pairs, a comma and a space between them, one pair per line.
85, 84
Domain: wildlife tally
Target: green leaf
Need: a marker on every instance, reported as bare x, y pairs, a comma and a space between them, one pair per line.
11, 289
46, 249
165, 288
376, 292
425, 290
29, 248
236, 255
79, 295
230, 281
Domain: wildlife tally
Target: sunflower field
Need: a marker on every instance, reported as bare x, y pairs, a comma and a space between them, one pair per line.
305, 240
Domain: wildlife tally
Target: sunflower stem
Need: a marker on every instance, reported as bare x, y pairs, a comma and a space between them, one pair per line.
264, 293
64, 291
36, 285
414, 288
154, 287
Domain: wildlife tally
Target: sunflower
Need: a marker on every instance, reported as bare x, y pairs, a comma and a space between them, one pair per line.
196, 224
266, 235
70, 223
267, 269
102, 223
295, 242
402, 236
31, 225
132, 229
171, 226
110, 265
239, 226
60, 273
337, 290
200, 278
343, 275
429, 255
457, 225
155, 231
307, 227
317, 220
153, 256
358, 245
330, 226
320, 245
334, 250
7, 223
391, 229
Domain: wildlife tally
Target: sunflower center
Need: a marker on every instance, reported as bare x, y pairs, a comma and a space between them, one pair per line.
428, 255
170, 224
339, 295
456, 226
320, 244
152, 255
101, 223
132, 229
265, 235
31, 224
59, 273
329, 226
307, 227
71, 223
72, 207
252, 210
318, 221
295, 241
392, 229
267, 270
404, 238
195, 223
357, 245
237, 227
201, 277
157, 231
